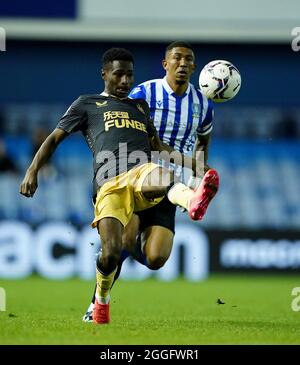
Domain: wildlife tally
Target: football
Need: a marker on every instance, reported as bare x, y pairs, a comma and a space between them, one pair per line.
220, 81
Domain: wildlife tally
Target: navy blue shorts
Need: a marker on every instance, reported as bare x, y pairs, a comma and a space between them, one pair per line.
162, 214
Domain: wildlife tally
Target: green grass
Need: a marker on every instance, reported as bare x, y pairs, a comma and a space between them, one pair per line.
257, 310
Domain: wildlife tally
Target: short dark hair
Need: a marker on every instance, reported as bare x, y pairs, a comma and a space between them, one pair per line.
116, 54
178, 44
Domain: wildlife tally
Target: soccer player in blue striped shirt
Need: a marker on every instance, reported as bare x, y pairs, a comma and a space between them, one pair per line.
183, 118
180, 112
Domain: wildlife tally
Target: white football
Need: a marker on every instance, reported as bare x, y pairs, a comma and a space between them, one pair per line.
220, 81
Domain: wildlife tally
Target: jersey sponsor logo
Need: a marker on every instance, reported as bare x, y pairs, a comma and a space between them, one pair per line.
196, 110
101, 104
125, 123
119, 119
114, 115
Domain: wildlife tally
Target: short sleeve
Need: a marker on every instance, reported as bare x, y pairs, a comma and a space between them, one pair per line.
205, 127
150, 126
138, 92
72, 120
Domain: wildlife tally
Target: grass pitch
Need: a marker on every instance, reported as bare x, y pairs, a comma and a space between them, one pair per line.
257, 310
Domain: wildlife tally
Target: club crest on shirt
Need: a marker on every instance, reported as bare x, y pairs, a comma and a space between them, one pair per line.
101, 104
196, 110
159, 103
140, 108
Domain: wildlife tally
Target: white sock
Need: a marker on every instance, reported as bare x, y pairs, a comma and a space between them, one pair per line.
180, 194
102, 300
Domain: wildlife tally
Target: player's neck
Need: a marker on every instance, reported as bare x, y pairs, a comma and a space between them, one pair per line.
177, 89
105, 93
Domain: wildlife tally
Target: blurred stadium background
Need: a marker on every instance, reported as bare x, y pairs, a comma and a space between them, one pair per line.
53, 55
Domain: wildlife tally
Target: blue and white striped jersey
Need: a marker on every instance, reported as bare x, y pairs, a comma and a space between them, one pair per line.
178, 119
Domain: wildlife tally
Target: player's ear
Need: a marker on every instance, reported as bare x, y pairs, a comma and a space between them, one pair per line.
194, 67
102, 73
164, 64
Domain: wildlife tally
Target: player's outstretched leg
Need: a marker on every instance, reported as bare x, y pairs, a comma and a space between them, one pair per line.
200, 200
196, 202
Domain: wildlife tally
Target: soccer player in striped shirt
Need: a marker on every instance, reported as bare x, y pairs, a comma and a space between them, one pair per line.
183, 118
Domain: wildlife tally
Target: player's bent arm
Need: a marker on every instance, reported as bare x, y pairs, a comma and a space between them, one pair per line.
201, 147
47, 148
30, 183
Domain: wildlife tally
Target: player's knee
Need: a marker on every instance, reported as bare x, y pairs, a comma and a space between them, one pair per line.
156, 262
111, 254
128, 242
110, 260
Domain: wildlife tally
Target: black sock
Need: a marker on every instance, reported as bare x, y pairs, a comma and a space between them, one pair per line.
94, 295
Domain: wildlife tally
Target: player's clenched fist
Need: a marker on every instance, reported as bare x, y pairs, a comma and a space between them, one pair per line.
29, 184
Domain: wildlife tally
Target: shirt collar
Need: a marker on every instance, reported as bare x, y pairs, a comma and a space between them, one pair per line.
170, 91
112, 96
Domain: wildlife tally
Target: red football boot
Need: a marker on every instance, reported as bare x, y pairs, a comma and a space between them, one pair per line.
101, 313
203, 195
